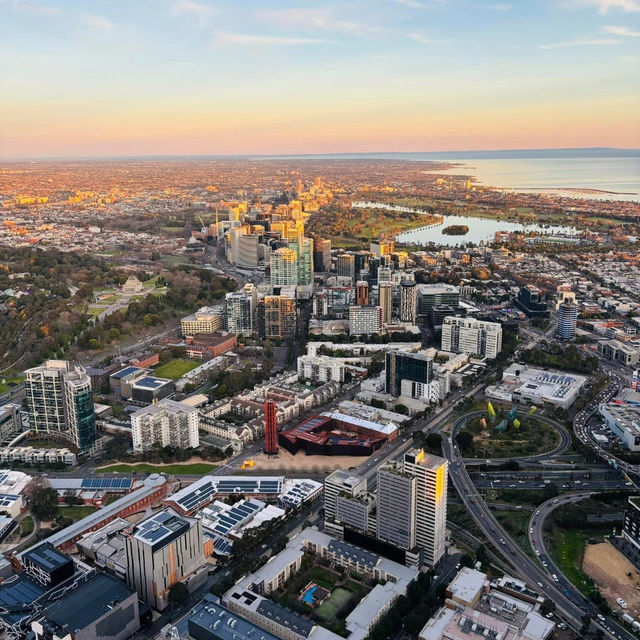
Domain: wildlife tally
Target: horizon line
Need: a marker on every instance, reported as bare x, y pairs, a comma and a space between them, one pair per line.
306, 155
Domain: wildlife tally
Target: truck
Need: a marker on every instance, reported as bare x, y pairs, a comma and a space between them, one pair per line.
627, 618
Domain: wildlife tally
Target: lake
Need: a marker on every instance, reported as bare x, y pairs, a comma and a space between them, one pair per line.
480, 229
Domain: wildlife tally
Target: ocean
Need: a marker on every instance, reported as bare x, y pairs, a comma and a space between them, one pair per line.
606, 174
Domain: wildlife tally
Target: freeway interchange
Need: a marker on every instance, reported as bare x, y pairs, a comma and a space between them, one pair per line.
568, 600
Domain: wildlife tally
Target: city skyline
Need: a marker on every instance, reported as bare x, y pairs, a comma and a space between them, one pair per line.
182, 77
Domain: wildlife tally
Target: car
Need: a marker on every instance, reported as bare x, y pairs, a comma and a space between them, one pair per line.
555, 577
601, 617
502, 541
530, 530
539, 584
537, 552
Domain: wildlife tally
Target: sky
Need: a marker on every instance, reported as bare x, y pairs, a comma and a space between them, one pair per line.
184, 77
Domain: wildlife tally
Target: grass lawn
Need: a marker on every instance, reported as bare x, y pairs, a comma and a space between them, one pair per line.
567, 548
26, 526
46, 444
194, 469
75, 512
175, 369
6, 382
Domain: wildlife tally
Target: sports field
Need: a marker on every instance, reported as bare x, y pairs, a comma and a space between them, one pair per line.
175, 369
329, 609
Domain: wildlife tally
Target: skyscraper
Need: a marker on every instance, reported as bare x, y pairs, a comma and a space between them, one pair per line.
240, 310
567, 319
284, 267
362, 292
276, 317
321, 254
346, 265
385, 301
60, 402
396, 506
431, 502
304, 250
270, 428
408, 302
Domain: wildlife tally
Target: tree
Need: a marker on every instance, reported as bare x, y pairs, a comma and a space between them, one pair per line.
71, 498
401, 408
43, 500
178, 593
550, 491
466, 560
465, 440
481, 553
434, 442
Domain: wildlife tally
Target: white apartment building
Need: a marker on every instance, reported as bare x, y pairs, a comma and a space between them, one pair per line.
165, 423
468, 335
321, 369
431, 502
365, 320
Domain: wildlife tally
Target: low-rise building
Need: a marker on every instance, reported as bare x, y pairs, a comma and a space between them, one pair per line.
32, 455
523, 383
101, 607
205, 320
617, 351
624, 422
320, 369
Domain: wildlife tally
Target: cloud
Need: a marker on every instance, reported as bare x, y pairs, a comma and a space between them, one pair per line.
38, 9
414, 4
425, 39
224, 38
621, 31
604, 6
99, 23
631, 59
579, 43
203, 12
500, 7
315, 19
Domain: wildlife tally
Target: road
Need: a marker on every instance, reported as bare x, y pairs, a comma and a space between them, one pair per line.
536, 540
569, 602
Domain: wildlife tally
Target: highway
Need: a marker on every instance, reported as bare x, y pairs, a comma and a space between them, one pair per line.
536, 539
569, 602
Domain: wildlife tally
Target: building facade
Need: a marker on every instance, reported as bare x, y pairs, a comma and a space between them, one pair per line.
567, 319
468, 335
365, 320
431, 473
161, 551
60, 402
165, 423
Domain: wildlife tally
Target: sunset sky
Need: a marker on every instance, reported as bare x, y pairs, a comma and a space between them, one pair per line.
141, 77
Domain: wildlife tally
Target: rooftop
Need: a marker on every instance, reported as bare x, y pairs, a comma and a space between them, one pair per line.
161, 528
466, 584
87, 603
215, 622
